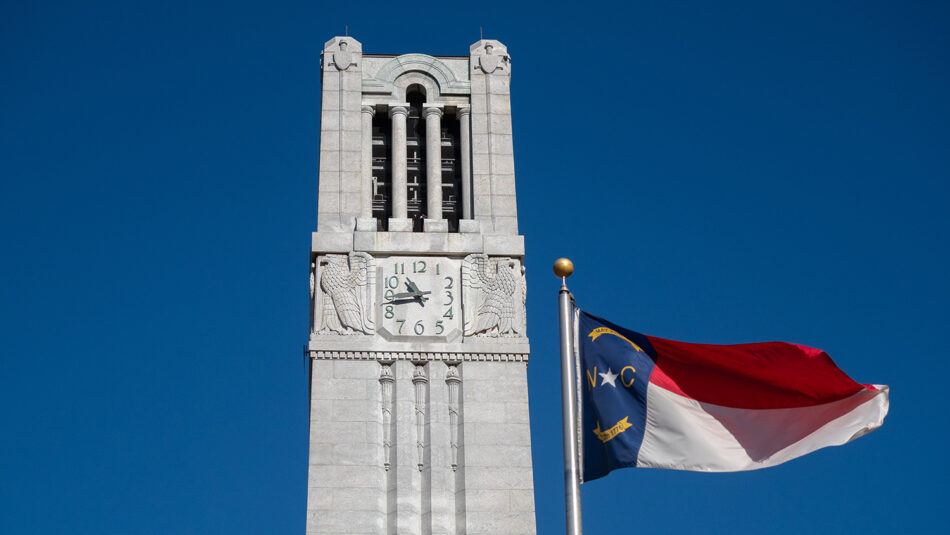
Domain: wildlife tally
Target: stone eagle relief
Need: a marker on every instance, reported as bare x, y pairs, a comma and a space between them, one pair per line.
344, 303
493, 298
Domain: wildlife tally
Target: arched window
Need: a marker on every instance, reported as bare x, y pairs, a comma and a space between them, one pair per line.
416, 165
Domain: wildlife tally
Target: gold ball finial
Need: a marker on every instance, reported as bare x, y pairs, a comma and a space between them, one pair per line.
563, 267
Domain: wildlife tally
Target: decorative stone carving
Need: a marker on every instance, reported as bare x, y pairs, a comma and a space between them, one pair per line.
342, 58
420, 380
386, 381
344, 304
489, 62
313, 284
494, 296
452, 379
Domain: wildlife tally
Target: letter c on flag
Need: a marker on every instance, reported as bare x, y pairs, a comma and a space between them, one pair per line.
624, 381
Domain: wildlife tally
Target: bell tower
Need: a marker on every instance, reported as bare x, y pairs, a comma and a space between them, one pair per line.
418, 387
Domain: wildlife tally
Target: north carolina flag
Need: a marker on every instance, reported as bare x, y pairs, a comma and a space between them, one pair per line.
657, 403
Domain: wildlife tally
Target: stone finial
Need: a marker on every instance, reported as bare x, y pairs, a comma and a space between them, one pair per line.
342, 53
490, 56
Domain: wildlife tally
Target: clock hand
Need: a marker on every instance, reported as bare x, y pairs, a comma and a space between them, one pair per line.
409, 294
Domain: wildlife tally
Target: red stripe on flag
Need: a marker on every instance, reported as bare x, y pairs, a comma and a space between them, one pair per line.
770, 375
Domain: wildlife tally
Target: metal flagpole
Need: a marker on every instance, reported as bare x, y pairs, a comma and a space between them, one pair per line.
572, 486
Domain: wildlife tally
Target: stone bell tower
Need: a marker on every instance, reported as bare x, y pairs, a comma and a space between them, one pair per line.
418, 394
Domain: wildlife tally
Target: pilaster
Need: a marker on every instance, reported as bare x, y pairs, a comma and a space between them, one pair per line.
340, 189
493, 171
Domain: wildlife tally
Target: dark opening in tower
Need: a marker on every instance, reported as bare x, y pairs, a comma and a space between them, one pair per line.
416, 157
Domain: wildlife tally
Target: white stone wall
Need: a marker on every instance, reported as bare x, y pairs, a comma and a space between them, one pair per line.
490, 491
499, 486
354, 486
346, 480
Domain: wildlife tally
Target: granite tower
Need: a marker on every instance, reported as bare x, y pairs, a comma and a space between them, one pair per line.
418, 398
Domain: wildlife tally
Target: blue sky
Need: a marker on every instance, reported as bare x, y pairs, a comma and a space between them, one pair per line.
719, 172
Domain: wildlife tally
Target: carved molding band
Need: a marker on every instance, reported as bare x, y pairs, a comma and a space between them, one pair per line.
420, 356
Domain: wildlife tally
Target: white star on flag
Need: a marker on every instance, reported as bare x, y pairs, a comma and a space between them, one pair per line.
609, 378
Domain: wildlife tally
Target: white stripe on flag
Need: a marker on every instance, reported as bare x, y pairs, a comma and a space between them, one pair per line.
685, 434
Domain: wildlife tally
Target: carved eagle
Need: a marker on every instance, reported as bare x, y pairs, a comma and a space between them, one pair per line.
344, 281
495, 312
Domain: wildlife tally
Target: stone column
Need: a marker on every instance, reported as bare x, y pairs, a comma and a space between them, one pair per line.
398, 115
433, 116
464, 114
366, 170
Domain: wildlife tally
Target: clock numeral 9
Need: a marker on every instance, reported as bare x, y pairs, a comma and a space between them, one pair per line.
389, 295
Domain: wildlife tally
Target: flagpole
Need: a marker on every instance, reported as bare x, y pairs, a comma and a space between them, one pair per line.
572, 486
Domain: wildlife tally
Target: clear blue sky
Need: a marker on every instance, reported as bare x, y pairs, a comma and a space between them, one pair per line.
719, 172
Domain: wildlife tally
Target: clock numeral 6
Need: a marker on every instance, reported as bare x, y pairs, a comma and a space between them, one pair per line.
418, 328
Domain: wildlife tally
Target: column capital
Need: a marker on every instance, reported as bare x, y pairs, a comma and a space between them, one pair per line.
399, 109
429, 109
368, 108
462, 111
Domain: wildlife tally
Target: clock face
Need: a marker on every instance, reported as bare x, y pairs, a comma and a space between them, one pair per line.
419, 298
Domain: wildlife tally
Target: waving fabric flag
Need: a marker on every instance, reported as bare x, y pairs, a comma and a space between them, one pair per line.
657, 403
